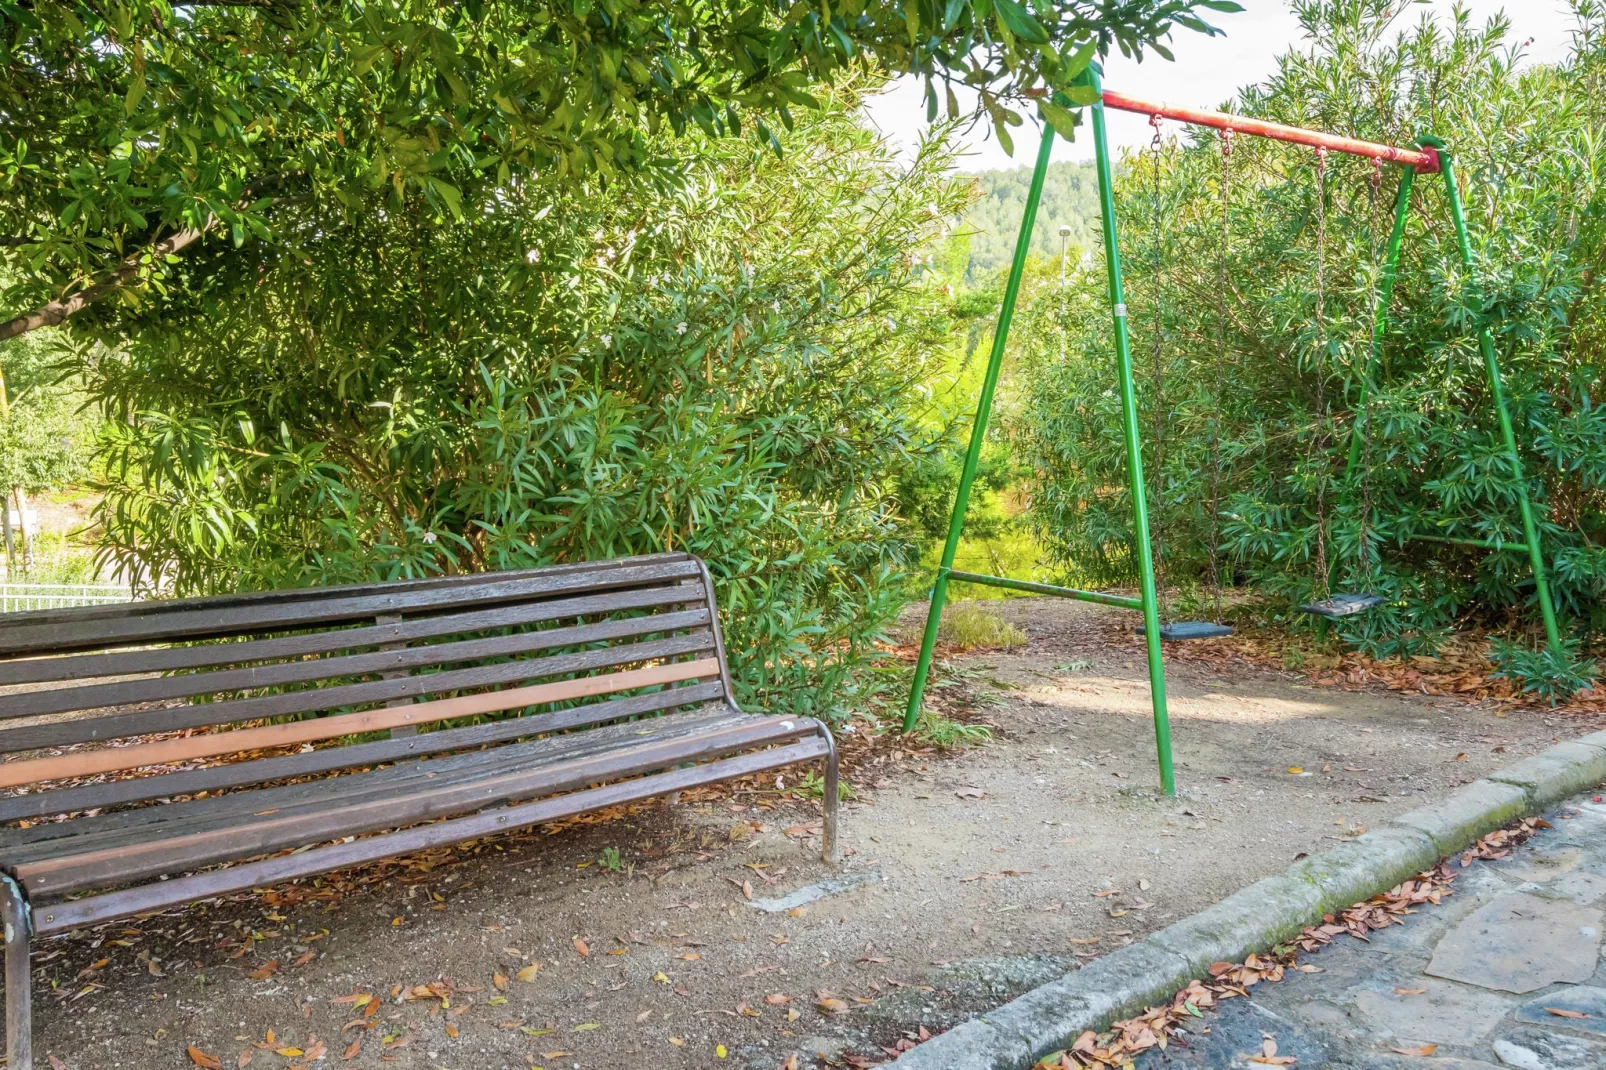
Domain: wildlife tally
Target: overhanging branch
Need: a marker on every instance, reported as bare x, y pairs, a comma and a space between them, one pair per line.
57, 311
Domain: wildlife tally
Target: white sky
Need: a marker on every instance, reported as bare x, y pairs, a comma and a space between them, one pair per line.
1207, 71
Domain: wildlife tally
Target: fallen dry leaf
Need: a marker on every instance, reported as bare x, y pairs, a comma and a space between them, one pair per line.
1560, 1013
1424, 1051
263, 972
582, 947
528, 973
201, 1058
1409, 991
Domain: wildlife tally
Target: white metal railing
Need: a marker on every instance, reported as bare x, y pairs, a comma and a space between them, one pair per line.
17, 597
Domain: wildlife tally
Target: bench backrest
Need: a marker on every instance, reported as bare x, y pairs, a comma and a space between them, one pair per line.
297, 682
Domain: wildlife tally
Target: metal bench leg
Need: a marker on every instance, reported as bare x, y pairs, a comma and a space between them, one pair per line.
830, 799
19, 976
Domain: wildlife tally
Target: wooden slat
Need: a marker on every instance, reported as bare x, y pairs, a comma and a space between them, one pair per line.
105, 760
305, 670
169, 659
316, 796
252, 619
64, 917
315, 699
328, 759
125, 862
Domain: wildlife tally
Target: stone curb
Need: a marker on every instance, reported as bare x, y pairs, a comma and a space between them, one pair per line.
1268, 912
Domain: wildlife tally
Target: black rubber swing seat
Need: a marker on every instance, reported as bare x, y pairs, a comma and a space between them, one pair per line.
1191, 629
1344, 605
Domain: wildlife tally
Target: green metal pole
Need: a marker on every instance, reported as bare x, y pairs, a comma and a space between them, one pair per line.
1134, 452
1385, 293
1491, 369
978, 431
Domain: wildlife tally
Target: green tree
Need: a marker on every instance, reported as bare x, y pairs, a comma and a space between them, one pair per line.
47, 431
131, 131
1070, 200
1527, 141
730, 365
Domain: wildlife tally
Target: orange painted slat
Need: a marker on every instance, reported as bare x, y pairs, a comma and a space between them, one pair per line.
167, 751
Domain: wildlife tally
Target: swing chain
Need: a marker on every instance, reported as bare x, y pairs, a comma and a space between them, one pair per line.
1156, 525
1221, 364
1319, 445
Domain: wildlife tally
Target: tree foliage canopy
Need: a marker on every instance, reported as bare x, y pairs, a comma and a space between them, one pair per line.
128, 130
731, 365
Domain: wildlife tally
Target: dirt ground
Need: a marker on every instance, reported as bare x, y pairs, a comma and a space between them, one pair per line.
967, 879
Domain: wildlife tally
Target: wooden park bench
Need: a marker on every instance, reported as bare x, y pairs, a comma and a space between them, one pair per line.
264, 737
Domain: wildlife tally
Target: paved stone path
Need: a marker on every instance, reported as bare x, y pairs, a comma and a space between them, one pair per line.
1473, 984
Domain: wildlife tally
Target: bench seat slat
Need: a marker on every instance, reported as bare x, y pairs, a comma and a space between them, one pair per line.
317, 699
187, 623
65, 917
328, 759
307, 670
209, 655
416, 802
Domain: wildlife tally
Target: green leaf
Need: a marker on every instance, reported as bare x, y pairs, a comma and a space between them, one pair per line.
1082, 95
1020, 22
1062, 120
1077, 62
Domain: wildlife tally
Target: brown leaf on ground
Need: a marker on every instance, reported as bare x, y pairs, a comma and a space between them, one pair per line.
1560, 1013
201, 1058
582, 947
1422, 1052
1268, 1055
266, 970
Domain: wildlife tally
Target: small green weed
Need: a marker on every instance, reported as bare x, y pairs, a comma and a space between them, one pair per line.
967, 626
945, 733
813, 787
1553, 675
610, 860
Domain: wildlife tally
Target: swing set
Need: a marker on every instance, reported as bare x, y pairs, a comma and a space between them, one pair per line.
1428, 157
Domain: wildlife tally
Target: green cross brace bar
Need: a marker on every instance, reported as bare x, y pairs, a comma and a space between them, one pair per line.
1148, 601
1119, 601
1482, 544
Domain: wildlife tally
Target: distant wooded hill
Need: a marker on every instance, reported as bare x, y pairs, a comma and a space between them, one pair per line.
1070, 197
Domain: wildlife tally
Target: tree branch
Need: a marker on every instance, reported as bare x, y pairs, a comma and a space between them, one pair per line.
57, 311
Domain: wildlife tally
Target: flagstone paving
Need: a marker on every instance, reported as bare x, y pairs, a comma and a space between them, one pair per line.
1506, 973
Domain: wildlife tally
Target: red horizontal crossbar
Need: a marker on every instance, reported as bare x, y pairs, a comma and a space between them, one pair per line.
1425, 160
